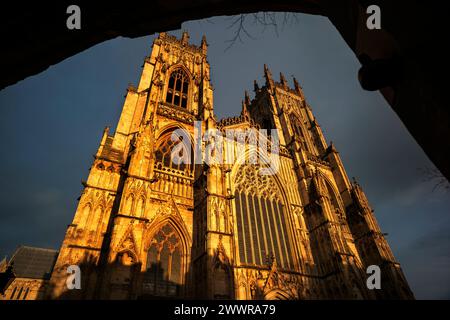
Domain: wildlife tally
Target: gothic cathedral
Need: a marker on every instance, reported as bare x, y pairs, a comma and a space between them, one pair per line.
147, 227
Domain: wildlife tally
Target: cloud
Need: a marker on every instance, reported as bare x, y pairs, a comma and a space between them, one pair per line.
428, 264
420, 191
50, 150
46, 198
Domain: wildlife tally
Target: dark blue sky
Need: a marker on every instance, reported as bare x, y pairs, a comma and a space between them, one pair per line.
51, 125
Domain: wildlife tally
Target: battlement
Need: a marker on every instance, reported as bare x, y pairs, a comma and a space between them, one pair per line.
183, 42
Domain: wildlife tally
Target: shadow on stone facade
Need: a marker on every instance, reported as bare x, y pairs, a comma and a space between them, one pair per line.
118, 281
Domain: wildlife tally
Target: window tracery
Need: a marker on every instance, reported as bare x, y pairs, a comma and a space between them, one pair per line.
297, 127
163, 155
164, 263
261, 219
177, 88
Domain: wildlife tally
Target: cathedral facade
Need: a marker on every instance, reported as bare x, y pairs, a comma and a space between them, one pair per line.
150, 227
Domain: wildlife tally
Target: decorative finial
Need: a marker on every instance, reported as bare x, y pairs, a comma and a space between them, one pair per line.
204, 45
244, 112
298, 88
331, 148
247, 98
268, 76
255, 86
270, 259
185, 38
283, 80
296, 84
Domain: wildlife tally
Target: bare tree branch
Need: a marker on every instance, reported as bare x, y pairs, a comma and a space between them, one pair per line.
435, 176
264, 19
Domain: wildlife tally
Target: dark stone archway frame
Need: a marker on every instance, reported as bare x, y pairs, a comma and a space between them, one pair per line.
406, 60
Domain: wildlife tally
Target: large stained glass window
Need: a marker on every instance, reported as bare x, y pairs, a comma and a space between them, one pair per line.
262, 226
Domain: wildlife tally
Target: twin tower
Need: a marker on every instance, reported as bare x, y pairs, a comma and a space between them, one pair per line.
147, 227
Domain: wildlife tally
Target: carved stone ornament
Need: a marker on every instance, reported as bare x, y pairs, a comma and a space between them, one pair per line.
128, 242
220, 255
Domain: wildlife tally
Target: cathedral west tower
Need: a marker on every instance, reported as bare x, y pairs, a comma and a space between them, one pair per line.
150, 227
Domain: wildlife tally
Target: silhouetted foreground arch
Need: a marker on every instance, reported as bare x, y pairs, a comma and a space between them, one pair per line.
406, 60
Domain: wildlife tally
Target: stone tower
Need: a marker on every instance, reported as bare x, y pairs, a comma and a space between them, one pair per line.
217, 227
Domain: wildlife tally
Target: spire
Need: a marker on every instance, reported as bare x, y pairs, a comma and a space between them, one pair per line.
355, 182
283, 80
255, 86
247, 98
204, 45
106, 130
331, 148
268, 76
244, 113
185, 38
296, 84
298, 88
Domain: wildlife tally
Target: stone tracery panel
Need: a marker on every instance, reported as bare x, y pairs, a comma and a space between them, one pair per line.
249, 180
164, 263
262, 225
164, 160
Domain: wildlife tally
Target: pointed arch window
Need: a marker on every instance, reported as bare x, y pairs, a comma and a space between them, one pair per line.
295, 122
262, 225
164, 263
163, 155
178, 88
333, 198
85, 216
